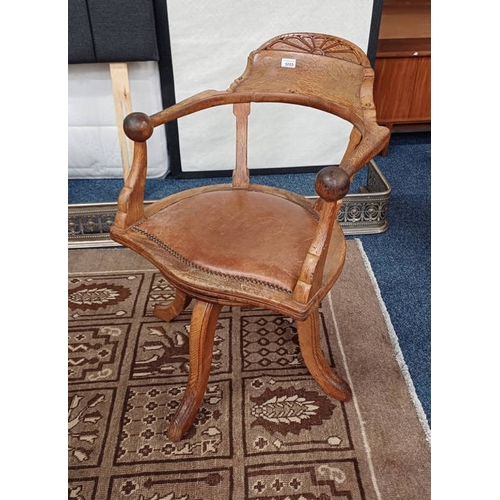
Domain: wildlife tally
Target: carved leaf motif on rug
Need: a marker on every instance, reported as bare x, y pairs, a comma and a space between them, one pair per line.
157, 488
74, 493
82, 425
163, 351
170, 496
290, 410
168, 348
93, 352
92, 296
129, 486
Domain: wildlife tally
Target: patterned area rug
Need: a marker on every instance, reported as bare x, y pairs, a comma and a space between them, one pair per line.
265, 429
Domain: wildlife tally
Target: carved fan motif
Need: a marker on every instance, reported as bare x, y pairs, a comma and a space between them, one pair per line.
322, 45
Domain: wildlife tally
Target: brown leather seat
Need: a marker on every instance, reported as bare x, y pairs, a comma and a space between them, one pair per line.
244, 244
246, 235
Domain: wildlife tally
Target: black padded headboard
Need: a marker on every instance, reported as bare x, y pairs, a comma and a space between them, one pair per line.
109, 31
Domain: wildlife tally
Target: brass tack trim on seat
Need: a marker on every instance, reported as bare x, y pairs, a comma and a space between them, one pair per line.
172, 252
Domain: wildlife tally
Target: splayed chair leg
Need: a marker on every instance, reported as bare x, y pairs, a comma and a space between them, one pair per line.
171, 311
201, 343
314, 359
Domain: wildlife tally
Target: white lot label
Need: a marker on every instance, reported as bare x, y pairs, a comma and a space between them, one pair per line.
288, 63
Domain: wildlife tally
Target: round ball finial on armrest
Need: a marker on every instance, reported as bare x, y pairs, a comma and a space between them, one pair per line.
332, 183
138, 127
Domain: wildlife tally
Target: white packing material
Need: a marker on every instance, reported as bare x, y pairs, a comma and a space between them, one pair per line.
93, 146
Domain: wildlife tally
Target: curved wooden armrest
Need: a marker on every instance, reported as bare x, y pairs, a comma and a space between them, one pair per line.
203, 100
373, 141
139, 127
332, 183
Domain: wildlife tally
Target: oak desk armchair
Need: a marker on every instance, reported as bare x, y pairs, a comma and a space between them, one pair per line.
218, 244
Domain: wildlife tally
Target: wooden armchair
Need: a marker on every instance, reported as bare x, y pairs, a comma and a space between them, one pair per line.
243, 244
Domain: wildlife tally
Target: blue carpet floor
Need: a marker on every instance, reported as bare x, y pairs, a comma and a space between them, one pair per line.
400, 257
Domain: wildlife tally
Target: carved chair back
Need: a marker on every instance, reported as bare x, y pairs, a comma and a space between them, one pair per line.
314, 70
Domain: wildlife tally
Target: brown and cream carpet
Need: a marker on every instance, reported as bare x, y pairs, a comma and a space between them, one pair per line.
265, 430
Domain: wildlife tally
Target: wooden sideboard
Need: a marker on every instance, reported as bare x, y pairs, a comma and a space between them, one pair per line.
402, 91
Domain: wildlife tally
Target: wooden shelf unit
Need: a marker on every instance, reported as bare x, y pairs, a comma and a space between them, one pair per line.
402, 91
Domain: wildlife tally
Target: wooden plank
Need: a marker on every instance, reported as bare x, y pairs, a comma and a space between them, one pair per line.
123, 106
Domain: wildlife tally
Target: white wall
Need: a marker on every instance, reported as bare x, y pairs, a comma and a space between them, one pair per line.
210, 44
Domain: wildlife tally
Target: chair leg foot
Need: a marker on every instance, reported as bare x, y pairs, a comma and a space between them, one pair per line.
201, 343
171, 311
309, 341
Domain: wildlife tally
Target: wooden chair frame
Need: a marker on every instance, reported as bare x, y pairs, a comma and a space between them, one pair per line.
332, 75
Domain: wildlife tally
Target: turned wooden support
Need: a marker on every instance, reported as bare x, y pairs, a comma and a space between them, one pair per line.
332, 184
138, 127
131, 200
171, 311
241, 175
